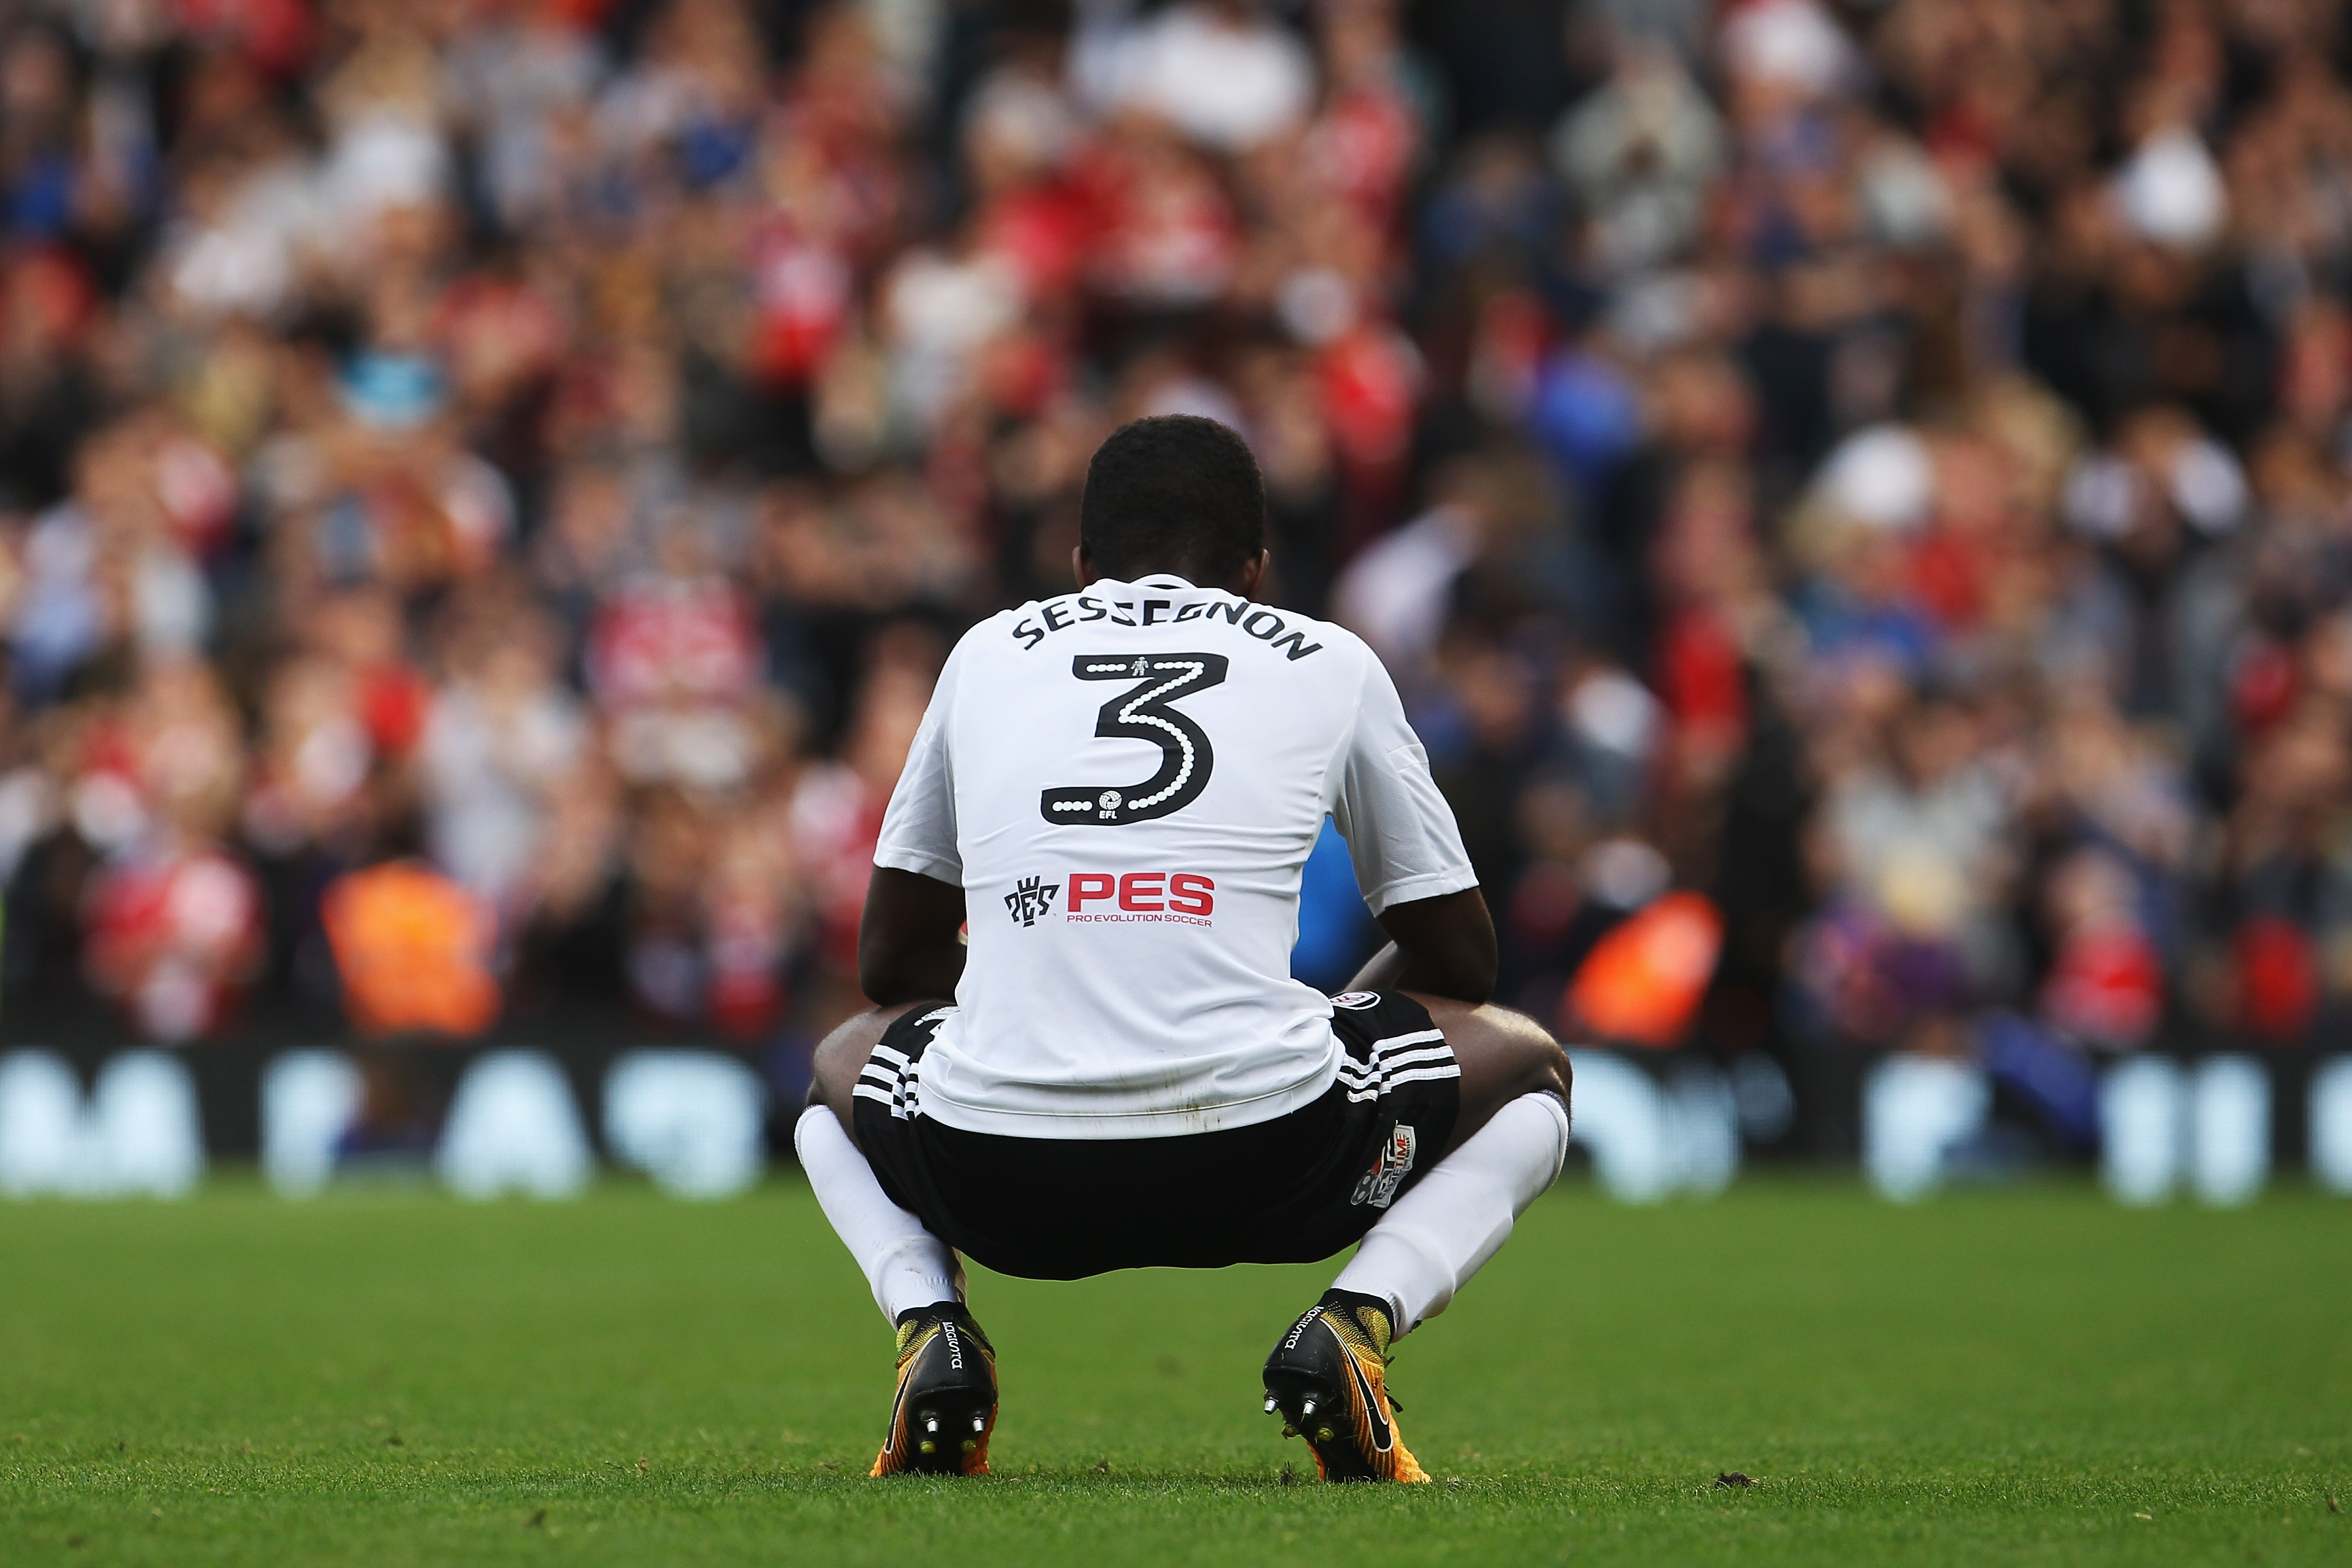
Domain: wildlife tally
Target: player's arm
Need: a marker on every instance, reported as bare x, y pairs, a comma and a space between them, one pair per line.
1442, 946
910, 941
909, 947
1409, 859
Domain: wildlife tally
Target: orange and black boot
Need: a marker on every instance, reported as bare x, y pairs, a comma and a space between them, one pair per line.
1329, 1378
946, 1407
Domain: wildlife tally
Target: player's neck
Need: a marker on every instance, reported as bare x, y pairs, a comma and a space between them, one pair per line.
1243, 584
1144, 578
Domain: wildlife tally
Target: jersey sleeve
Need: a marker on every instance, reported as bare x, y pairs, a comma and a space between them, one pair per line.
1401, 833
919, 829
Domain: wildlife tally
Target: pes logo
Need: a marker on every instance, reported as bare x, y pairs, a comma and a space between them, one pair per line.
1030, 898
1183, 897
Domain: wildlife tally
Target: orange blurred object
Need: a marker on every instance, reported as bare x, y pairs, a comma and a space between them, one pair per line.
1640, 984
414, 950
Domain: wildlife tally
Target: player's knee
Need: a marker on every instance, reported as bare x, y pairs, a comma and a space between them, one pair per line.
1541, 1065
842, 1055
827, 1081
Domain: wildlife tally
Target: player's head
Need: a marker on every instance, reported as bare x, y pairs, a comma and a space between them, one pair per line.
1173, 493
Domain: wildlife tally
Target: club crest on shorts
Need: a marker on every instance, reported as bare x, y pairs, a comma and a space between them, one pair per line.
1030, 897
1390, 1168
1356, 1001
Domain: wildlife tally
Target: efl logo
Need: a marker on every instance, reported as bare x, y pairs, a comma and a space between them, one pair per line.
1142, 893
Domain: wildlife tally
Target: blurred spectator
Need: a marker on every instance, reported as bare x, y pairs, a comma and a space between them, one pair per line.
1912, 851
502, 733
1220, 71
172, 923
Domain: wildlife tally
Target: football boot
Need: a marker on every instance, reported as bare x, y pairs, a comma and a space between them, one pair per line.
1328, 1378
946, 1407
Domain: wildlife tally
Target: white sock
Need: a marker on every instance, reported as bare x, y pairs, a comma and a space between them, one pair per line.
1438, 1235
907, 1265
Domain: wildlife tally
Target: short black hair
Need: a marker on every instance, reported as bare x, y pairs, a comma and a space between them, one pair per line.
1174, 493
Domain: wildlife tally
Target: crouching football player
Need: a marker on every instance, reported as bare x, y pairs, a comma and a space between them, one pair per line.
1113, 792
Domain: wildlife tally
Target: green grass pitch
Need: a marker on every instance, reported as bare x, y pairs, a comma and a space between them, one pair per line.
2027, 1376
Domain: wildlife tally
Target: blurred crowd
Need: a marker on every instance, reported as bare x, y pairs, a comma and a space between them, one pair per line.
1857, 494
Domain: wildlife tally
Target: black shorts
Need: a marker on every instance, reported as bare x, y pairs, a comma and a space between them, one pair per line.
1293, 1190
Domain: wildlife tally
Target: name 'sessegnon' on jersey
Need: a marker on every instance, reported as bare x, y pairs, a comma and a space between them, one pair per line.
1127, 782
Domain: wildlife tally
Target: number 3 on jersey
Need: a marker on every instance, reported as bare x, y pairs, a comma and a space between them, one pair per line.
1142, 713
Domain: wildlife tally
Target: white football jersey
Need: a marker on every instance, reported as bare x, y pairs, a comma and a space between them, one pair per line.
1126, 782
